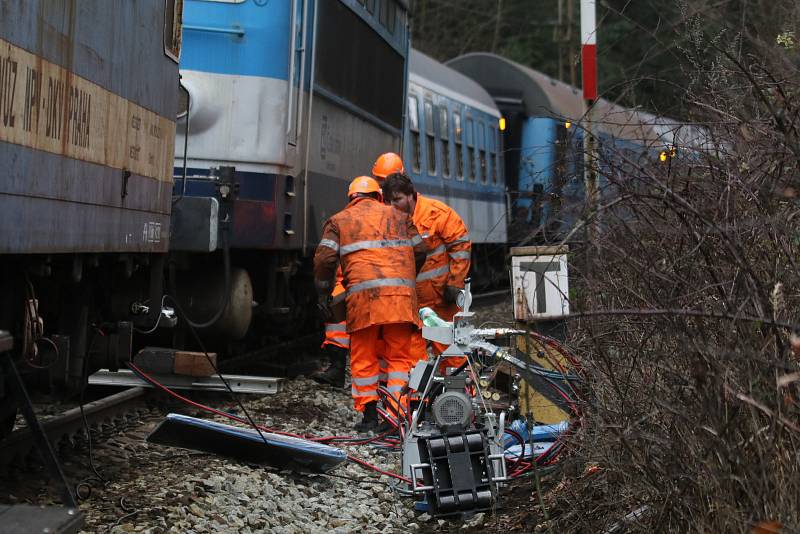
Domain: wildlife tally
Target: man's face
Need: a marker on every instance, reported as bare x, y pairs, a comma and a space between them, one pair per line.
403, 202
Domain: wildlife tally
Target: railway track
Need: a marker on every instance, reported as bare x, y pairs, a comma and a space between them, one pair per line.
287, 358
120, 410
113, 412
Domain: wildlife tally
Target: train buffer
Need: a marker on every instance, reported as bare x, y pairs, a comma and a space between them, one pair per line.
177, 369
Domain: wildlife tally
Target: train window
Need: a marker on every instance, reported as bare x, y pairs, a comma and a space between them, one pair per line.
493, 144
173, 12
457, 133
470, 151
430, 137
342, 33
444, 134
413, 126
482, 146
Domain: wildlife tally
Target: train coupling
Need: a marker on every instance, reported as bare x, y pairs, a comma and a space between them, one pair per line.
167, 319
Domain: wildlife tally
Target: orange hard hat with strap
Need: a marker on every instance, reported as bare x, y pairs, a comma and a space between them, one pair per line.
386, 164
363, 184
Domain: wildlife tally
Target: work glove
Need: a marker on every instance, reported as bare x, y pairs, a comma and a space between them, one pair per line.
451, 294
324, 307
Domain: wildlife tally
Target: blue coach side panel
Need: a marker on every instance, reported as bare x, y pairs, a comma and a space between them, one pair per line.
452, 147
245, 39
88, 126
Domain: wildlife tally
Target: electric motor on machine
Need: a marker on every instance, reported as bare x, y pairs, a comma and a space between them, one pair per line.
452, 409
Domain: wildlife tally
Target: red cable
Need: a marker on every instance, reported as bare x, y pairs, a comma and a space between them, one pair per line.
558, 346
164, 388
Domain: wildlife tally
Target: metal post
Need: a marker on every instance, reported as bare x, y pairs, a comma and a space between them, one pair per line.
17, 389
589, 75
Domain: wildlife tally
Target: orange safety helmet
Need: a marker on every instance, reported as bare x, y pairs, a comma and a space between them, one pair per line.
386, 164
364, 184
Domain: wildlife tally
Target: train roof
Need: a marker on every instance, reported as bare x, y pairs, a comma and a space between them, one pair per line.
429, 73
513, 85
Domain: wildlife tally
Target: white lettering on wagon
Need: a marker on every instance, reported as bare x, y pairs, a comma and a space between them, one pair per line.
46, 107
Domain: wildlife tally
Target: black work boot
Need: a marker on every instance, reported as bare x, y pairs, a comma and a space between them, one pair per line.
334, 374
369, 422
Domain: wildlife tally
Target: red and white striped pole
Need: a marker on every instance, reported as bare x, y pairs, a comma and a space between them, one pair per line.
589, 79
589, 49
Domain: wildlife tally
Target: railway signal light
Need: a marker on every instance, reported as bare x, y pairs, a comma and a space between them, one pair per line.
668, 153
501, 123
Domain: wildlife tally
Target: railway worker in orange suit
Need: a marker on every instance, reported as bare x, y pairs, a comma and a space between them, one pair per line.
337, 340
380, 253
448, 251
386, 164
336, 345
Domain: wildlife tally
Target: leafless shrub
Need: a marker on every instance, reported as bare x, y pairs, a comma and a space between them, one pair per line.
692, 415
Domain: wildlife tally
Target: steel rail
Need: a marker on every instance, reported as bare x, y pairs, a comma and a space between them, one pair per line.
19, 444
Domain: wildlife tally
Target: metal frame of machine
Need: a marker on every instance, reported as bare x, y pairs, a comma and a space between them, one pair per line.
453, 443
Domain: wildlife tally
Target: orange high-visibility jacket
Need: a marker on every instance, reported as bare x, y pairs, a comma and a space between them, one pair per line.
448, 259
379, 250
336, 333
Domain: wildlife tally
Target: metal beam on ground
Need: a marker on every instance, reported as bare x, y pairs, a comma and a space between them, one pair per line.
260, 385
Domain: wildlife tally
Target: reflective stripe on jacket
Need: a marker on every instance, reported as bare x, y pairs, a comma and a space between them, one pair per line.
336, 333
376, 247
449, 248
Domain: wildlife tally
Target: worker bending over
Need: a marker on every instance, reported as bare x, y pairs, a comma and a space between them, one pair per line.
380, 253
337, 341
448, 250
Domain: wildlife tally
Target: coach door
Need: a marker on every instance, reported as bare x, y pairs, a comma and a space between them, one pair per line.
297, 70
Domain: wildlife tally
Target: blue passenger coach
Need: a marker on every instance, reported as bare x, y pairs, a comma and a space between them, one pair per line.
298, 96
543, 144
453, 152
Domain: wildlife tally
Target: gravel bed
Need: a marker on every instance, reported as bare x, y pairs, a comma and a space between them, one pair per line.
178, 491
172, 490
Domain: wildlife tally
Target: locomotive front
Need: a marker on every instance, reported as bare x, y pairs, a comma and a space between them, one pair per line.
284, 103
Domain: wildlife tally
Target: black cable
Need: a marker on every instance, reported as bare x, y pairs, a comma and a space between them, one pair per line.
354, 479
391, 396
185, 145
84, 384
226, 290
217, 371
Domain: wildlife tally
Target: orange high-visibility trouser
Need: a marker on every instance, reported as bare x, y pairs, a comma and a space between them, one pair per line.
364, 367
